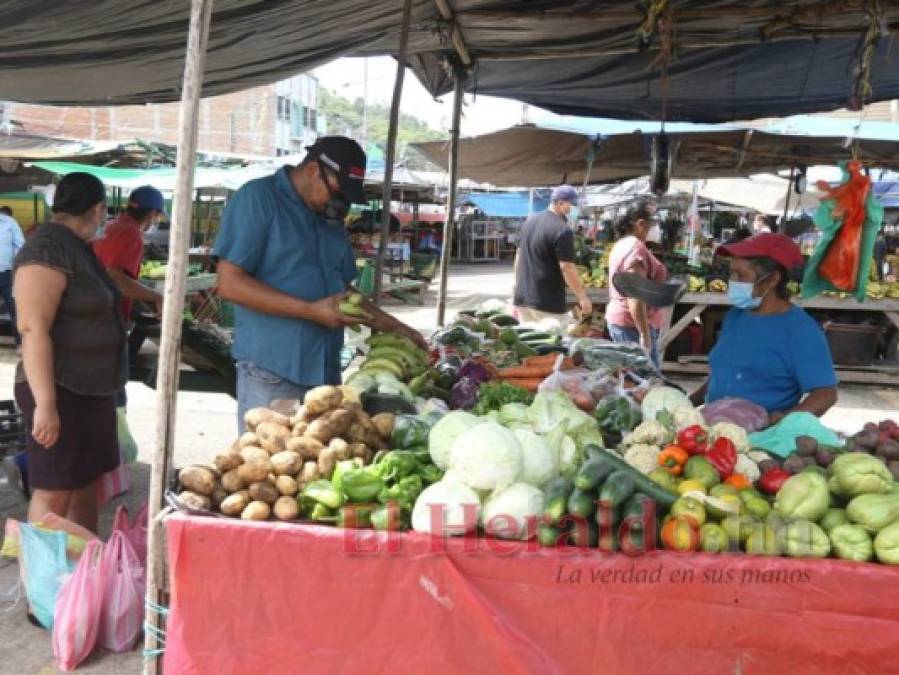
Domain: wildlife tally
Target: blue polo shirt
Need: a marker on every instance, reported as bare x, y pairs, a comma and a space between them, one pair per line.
269, 231
772, 360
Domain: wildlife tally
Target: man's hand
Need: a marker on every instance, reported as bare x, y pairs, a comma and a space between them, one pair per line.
413, 335
326, 313
45, 425
585, 306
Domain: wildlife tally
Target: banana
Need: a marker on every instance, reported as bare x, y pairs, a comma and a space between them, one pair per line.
383, 364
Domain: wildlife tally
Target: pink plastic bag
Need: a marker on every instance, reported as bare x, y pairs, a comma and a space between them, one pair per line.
123, 595
79, 606
135, 531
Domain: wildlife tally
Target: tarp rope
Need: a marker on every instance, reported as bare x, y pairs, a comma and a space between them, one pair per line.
158, 633
862, 89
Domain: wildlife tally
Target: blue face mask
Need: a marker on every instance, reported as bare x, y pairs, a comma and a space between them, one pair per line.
573, 215
740, 294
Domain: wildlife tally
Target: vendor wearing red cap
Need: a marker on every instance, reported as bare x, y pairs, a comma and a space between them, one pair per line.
769, 351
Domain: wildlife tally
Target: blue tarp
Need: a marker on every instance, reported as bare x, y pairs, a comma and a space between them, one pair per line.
506, 204
888, 193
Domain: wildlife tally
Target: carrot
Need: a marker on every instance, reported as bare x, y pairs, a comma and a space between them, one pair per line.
541, 360
529, 383
525, 371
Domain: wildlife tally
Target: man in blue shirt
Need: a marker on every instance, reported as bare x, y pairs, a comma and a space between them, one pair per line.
769, 351
11, 240
285, 262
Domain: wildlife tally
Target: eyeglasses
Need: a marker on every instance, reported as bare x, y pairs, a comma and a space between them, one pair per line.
332, 193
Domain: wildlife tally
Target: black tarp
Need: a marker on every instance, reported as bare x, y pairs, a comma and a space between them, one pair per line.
116, 52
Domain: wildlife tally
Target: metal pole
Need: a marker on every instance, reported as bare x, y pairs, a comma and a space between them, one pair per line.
787, 202
391, 149
450, 224
173, 308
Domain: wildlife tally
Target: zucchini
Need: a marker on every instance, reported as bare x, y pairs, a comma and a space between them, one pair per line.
544, 349
662, 497
556, 493
617, 488
592, 473
504, 320
547, 535
633, 509
536, 335
582, 503
584, 533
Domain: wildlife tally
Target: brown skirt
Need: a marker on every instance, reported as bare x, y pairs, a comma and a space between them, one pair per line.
88, 444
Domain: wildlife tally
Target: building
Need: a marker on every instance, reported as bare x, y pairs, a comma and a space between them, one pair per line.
272, 120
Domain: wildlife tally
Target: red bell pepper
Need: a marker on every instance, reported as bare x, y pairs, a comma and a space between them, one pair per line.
693, 439
770, 481
723, 456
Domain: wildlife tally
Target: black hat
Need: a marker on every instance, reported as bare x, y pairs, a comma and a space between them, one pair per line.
344, 157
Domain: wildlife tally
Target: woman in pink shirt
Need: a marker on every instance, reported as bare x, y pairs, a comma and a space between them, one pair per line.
628, 319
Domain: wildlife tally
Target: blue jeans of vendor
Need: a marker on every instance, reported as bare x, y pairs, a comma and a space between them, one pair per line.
631, 334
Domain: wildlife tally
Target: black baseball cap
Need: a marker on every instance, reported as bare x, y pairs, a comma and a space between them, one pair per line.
346, 158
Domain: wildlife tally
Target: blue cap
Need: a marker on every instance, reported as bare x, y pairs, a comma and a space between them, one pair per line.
564, 193
148, 197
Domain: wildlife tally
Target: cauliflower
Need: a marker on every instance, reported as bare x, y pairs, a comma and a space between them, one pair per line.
652, 433
643, 457
748, 468
758, 456
736, 434
687, 416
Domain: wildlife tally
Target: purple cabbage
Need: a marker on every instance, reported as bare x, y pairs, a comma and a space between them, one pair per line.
476, 371
738, 411
464, 394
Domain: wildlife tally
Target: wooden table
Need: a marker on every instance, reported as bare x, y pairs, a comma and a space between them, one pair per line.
699, 302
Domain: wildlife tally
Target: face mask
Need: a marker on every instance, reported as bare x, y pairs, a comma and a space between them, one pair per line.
740, 294
336, 207
655, 234
573, 214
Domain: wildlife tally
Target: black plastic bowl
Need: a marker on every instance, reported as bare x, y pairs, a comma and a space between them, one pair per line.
653, 293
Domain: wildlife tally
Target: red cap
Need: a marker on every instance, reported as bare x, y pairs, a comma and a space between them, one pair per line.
778, 247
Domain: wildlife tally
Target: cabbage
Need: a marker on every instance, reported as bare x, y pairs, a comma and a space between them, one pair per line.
512, 513
570, 458
663, 398
445, 432
514, 413
551, 407
539, 461
454, 497
486, 457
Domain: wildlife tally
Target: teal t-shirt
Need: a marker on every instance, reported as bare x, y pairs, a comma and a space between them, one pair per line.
771, 360
269, 231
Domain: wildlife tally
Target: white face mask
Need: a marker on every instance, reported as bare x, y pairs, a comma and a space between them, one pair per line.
655, 234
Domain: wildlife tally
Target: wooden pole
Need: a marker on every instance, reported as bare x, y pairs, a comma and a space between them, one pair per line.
391, 149
173, 308
450, 224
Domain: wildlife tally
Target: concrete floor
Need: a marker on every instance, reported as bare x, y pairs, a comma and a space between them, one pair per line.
206, 424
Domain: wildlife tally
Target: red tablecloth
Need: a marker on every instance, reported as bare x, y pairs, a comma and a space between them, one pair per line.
277, 598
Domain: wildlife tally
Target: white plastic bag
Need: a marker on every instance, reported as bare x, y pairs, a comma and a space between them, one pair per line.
123, 595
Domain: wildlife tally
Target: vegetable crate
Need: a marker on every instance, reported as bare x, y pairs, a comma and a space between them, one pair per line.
12, 445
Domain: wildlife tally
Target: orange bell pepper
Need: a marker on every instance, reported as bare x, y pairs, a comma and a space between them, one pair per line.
738, 480
681, 533
673, 459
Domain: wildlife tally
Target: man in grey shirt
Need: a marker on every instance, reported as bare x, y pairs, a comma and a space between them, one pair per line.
11, 240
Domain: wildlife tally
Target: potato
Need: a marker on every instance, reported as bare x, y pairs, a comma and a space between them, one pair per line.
247, 440
256, 511
356, 433
330, 425
353, 406
218, 496
309, 448
375, 442
309, 473
350, 394
327, 460
245, 494
384, 424
252, 452
232, 481
228, 461
264, 492
270, 429
256, 416
341, 448
300, 428
255, 470
194, 501
198, 479
214, 469
287, 463
359, 450
287, 486
272, 445
234, 504
322, 399
285, 406
286, 508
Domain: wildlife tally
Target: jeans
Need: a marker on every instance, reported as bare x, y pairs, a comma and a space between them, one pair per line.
630, 334
6, 294
258, 387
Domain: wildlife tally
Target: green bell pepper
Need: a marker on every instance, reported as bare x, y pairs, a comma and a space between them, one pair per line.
803, 539
361, 485
754, 503
321, 512
409, 431
851, 542
873, 511
323, 492
405, 492
713, 538
396, 464
886, 544
390, 517
701, 469
804, 496
859, 473
832, 518
354, 516
430, 473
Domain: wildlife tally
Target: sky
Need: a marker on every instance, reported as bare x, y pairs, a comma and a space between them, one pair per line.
480, 114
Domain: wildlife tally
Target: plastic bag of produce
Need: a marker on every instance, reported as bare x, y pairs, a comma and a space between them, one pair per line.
573, 382
738, 411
